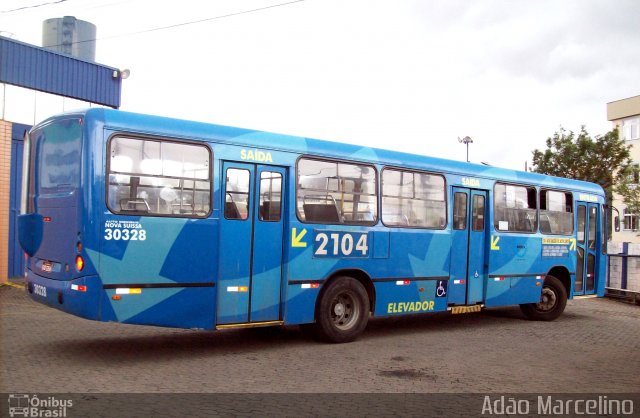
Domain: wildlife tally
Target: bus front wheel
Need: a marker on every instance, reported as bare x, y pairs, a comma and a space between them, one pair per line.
553, 300
343, 311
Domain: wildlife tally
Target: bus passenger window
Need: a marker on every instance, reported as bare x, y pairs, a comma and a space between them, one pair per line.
236, 204
270, 196
478, 213
515, 208
158, 177
333, 192
460, 211
593, 216
412, 199
581, 223
556, 212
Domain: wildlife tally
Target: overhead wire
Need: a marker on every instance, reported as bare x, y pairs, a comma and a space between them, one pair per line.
177, 25
33, 6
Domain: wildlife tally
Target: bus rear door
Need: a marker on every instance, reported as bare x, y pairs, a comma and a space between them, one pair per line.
587, 248
468, 271
251, 228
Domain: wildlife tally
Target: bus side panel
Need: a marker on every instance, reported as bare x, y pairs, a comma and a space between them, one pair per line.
514, 255
420, 296
79, 297
602, 272
412, 255
301, 304
179, 307
166, 276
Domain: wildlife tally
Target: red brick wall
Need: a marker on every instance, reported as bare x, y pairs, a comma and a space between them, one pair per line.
5, 182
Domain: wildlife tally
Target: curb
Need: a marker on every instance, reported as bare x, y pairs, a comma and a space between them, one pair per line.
17, 286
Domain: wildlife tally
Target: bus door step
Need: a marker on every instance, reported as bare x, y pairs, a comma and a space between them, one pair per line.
455, 310
251, 325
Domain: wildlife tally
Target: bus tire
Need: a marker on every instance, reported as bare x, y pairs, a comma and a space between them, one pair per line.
342, 312
553, 300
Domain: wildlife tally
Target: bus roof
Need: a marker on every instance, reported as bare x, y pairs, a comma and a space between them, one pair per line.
177, 128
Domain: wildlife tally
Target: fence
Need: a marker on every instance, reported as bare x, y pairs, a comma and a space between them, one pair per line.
623, 280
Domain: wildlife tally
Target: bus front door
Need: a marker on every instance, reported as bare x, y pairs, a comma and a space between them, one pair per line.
586, 248
250, 248
468, 271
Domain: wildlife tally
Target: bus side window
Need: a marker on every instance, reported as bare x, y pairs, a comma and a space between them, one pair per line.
413, 199
236, 204
478, 213
460, 211
158, 177
336, 192
270, 196
556, 212
515, 208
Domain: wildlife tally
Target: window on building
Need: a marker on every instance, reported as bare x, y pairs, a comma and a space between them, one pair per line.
630, 221
631, 129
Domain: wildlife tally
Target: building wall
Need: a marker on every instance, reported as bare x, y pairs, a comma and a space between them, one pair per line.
5, 181
623, 113
621, 109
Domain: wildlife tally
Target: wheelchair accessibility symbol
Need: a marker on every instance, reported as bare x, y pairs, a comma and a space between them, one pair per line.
441, 289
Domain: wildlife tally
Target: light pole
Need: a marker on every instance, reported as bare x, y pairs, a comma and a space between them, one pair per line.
466, 140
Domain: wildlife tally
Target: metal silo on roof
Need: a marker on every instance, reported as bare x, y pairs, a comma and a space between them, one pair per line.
70, 36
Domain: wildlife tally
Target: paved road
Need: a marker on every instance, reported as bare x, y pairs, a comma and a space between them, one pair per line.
594, 347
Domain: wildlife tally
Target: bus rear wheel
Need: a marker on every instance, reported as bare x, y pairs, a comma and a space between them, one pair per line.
343, 311
553, 300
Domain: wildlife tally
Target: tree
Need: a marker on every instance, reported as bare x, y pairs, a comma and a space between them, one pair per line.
629, 190
603, 160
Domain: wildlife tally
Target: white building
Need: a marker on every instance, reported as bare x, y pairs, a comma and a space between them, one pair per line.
625, 115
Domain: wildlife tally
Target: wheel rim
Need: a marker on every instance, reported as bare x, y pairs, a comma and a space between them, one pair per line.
548, 300
345, 311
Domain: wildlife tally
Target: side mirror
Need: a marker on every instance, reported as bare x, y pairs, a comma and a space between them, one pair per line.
616, 223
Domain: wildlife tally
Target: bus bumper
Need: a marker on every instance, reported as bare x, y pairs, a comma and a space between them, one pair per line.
78, 297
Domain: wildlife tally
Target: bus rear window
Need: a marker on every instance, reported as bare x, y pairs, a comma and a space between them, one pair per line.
56, 153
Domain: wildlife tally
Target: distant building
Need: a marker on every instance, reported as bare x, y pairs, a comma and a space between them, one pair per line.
625, 115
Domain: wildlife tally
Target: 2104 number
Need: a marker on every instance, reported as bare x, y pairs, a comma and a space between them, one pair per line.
341, 244
125, 234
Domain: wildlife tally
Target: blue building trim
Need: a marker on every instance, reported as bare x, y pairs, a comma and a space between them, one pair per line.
16, 255
36, 68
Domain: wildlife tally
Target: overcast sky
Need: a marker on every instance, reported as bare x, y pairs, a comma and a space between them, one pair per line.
397, 74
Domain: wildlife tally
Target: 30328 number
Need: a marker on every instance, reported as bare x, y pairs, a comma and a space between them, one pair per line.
125, 234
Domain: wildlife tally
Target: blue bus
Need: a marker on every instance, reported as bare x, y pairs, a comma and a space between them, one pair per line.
148, 220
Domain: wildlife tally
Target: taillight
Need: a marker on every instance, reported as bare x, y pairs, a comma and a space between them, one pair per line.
79, 287
79, 263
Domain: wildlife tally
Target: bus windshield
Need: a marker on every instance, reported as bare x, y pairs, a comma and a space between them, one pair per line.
55, 157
